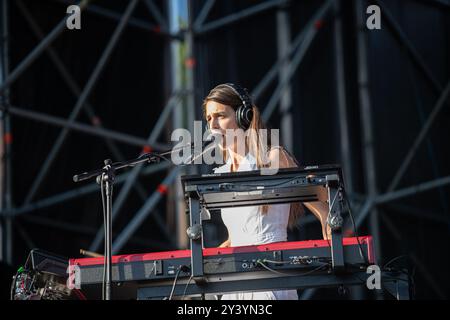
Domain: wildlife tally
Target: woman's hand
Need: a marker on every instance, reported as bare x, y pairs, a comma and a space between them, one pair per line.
319, 209
225, 244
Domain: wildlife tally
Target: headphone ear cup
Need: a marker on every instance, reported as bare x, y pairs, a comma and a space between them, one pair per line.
244, 116
248, 116
239, 117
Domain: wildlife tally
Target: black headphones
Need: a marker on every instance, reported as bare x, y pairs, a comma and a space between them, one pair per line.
244, 113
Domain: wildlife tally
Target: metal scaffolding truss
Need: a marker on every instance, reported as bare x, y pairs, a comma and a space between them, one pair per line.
291, 52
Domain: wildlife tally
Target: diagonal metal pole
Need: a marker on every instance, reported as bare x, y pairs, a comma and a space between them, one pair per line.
292, 68
85, 128
429, 143
405, 192
88, 231
413, 211
433, 216
307, 294
25, 235
398, 194
415, 259
405, 43
412, 150
419, 139
124, 191
418, 61
232, 18
156, 13
113, 15
36, 52
143, 213
364, 211
73, 86
163, 228
82, 99
273, 72
441, 4
283, 28
203, 14
78, 192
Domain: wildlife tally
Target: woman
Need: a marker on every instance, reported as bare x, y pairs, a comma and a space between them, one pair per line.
229, 107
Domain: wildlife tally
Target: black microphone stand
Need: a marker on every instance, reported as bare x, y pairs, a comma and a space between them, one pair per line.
105, 177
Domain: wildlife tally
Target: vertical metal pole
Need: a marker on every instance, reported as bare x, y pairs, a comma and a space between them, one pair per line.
6, 140
346, 159
367, 125
356, 292
3, 40
283, 42
178, 20
189, 67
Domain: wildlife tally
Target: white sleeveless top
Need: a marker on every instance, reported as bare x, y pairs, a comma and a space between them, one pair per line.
249, 226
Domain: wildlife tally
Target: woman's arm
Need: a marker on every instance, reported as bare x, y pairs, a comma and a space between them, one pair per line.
319, 209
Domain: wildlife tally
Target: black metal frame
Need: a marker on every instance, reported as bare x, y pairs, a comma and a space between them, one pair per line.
334, 187
394, 283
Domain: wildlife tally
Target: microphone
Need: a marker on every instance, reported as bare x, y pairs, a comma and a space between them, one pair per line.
206, 146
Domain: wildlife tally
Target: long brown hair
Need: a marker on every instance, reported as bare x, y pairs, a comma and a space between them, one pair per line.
257, 147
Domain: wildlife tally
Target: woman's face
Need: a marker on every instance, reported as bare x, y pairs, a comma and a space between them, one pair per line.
220, 117
222, 121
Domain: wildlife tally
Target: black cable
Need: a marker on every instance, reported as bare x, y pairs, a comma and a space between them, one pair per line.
408, 274
176, 279
361, 252
387, 277
270, 269
277, 262
187, 285
394, 259
292, 275
312, 258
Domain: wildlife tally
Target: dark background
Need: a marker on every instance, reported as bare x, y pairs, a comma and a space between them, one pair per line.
133, 88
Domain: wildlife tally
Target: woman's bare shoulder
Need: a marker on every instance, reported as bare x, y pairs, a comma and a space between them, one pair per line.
279, 154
